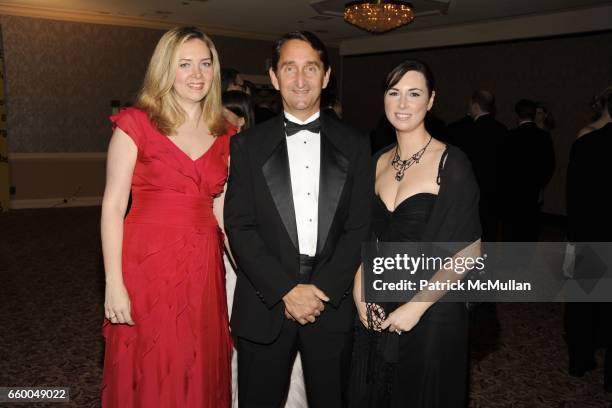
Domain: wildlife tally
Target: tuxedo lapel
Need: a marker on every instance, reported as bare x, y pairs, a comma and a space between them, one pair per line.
278, 178
333, 172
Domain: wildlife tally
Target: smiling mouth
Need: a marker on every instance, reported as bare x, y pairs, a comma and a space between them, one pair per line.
197, 87
402, 116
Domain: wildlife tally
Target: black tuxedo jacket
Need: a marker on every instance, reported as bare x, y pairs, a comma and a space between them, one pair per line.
260, 224
589, 206
529, 163
485, 154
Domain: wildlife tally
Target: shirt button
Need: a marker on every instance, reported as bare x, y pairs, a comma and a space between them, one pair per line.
304, 142
307, 167
310, 219
308, 193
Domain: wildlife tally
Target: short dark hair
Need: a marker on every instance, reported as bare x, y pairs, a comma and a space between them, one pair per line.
399, 71
239, 103
485, 100
598, 104
228, 77
525, 109
306, 36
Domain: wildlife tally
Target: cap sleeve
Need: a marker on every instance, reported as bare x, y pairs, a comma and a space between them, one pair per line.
130, 121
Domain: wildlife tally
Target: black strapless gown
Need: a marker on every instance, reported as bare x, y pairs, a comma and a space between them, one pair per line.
426, 367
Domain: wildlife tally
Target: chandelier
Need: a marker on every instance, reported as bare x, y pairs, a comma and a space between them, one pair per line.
378, 17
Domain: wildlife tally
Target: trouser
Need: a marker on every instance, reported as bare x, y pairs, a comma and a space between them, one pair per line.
264, 369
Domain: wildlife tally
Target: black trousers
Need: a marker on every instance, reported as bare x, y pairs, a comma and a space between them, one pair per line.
264, 370
587, 328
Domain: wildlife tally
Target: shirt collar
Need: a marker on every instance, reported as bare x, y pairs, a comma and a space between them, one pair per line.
302, 122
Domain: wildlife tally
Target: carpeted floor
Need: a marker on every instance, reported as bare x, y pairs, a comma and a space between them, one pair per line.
52, 290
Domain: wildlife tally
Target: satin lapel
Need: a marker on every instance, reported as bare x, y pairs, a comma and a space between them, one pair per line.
278, 178
334, 170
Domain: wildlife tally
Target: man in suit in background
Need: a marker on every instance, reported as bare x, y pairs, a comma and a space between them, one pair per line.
529, 163
297, 209
484, 151
589, 220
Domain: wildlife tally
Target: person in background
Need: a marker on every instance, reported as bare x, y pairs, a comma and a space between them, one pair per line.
238, 109
544, 118
528, 166
601, 114
249, 87
460, 131
587, 325
231, 80
166, 325
484, 151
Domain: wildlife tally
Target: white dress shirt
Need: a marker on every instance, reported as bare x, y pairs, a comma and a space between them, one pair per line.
304, 150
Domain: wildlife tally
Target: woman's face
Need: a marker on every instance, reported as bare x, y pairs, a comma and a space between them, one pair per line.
194, 71
407, 102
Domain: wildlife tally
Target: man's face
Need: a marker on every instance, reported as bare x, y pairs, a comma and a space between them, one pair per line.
299, 77
237, 85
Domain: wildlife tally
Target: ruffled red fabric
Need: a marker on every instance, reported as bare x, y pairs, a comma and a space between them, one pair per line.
178, 353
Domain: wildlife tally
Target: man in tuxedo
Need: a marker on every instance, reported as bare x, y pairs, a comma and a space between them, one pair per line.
297, 209
589, 218
529, 163
484, 151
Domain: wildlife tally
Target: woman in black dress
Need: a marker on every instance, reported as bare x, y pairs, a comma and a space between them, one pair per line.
417, 354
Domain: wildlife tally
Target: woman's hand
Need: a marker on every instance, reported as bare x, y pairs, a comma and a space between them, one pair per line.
361, 312
405, 317
117, 306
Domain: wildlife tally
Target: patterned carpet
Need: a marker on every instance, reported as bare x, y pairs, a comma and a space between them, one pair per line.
52, 289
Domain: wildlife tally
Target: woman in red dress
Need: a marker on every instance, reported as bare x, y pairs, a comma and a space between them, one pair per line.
167, 337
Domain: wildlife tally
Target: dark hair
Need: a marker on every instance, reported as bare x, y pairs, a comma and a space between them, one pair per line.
599, 103
399, 71
525, 109
228, 77
248, 87
485, 100
549, 119
306, 36
609, 103
239, 103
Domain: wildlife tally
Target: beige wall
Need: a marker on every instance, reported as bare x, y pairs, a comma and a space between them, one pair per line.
62, 75
60, 79
564, 72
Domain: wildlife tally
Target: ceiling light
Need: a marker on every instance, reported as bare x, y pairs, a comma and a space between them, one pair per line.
378, 16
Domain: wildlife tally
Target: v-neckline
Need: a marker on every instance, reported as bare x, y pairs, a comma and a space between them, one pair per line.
185, 154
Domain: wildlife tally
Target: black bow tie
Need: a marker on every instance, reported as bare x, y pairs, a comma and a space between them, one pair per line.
292, 128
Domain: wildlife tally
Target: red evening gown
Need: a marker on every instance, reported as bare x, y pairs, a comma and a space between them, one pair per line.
179, 351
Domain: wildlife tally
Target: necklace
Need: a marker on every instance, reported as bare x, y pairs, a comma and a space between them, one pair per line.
402, 165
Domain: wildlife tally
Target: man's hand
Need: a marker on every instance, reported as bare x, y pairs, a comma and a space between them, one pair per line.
305, 303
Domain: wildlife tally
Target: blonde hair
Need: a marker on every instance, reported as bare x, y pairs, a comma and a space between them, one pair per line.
157, 96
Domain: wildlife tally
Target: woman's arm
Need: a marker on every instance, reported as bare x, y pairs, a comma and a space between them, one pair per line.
218, 204
405, 317
122, 153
